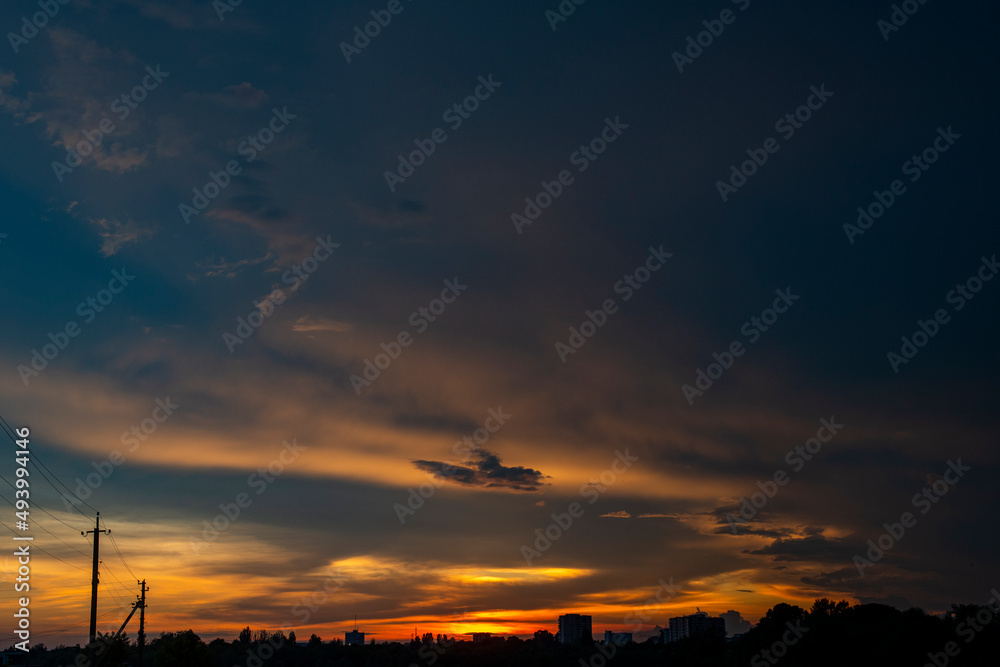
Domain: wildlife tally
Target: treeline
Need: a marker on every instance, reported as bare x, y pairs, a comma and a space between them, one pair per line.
829, 634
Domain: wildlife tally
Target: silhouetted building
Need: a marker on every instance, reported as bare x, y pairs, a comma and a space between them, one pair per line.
575, 629
354, 638
617, 638
683, 627
481, 637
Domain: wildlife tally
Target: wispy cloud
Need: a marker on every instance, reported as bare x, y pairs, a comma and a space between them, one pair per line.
235, 95
115, 235
309, 324
226, 269
76, 96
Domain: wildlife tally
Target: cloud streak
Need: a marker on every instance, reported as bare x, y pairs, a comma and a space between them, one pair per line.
486, 472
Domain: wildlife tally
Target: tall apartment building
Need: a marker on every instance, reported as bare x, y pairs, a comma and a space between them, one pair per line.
575, 629
683, 627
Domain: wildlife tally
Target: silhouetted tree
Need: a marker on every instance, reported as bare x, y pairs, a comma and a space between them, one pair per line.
117, 651
825, 607
184, 648
830, 634
544, 636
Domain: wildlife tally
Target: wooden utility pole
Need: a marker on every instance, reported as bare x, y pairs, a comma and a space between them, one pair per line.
93, 584
110, 643
141, 640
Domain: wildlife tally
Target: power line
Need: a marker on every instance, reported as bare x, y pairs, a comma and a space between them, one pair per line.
35, 546
54, 632
75, 529
114, 543
35, 461
48, 475
10, 432
110, 586
58, 492
38, 589
38, 523
108, 568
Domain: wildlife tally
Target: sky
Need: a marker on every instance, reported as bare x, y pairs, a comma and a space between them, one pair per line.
495, 313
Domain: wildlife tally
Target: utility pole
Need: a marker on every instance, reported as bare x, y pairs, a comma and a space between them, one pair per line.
141, 641
93, 585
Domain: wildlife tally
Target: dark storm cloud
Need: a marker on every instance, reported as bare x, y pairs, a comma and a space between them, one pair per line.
749, 529
884, 582
812, 548
487, 472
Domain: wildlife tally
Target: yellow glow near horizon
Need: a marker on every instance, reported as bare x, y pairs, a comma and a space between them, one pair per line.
516, 575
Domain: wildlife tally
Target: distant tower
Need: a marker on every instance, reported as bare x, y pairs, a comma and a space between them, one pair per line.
354, 638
